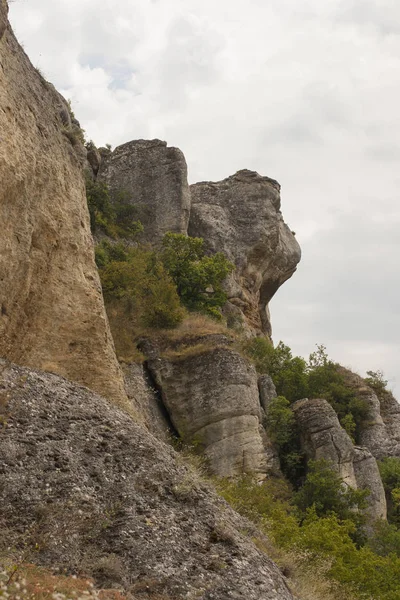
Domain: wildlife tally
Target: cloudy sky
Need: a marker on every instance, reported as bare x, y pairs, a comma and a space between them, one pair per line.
304, 91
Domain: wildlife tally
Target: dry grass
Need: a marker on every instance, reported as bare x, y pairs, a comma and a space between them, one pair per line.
28, 582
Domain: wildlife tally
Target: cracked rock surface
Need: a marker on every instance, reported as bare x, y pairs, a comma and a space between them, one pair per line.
100, 495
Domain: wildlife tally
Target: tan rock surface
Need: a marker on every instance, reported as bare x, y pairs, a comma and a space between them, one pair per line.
51, 307
241, 217
212, 399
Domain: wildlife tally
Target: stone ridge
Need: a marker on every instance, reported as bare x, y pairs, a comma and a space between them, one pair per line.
104, 497
153, 177
240, 216
52, 314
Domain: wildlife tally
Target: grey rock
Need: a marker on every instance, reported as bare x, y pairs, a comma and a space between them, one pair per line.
100, 495
93, 158
380, 430
322, 437
146, 398
390, 413
154, 178
367, 476
211, 396
240, 216
267, 391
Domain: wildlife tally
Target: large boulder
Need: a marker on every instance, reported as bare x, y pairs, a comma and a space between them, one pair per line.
322, 437
51, 307
211, 396
153, 178
88, 490
241, 217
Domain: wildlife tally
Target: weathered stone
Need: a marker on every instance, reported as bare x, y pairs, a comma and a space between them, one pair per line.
94, 158
322, 437
146, 398
390, 413
367, 476
267, 391
91, 491
240, 216
51, 308
3, 17
380, 429
154, 179
211, 395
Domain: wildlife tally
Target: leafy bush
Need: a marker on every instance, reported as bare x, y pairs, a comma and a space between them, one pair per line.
198, 278
295, 378
376, 381
116, 217
282, 430
137, 279
389, 469
324, 490
321, 544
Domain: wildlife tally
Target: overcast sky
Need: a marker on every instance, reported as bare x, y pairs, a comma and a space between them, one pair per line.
304, 91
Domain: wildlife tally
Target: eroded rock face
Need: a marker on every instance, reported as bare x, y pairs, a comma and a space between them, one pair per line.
154, 179
3, 17
240, 216
323, 437
211, 396
100, 495
51, 308
380, 430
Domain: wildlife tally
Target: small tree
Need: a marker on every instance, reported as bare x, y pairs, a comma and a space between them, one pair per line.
198, 277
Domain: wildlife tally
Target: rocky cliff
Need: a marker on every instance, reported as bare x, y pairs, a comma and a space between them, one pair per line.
84, 488
211, 396
51, 309
323, 438
241, 217
153, 177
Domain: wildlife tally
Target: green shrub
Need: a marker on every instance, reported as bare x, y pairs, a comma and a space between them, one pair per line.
389, 469
282, 430
137, 279
294, 378
316, 540
116, 217
324, 490
198, 278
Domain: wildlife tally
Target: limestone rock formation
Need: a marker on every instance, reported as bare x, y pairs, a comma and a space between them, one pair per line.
146, 399
267, 391
211, 396
154, 179
380, 430
100, 495
51, 309
323, 438
3, 17
240, 216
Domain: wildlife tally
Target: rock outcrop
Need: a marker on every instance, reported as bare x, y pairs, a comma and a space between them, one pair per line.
380, 429
210, 393
322, 437
153, 178
240, 216
51, 308
91, 491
